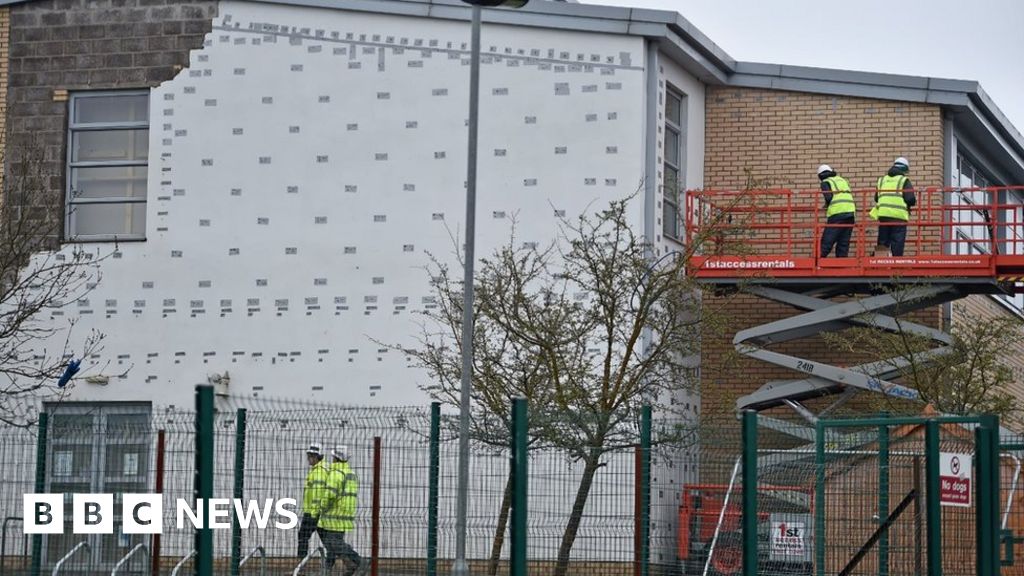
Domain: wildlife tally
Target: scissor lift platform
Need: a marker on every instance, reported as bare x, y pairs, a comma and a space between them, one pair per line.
766, 242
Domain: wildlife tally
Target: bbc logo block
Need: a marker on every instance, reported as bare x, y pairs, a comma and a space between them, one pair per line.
92, 513
144, 513
43, 513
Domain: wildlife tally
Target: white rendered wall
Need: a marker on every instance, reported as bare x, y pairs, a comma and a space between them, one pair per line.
671, 469
305, 164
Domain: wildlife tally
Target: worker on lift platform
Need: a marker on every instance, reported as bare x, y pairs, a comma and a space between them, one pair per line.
840, 212
893, 200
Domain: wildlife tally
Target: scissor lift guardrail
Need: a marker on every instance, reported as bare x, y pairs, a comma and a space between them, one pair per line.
960, 241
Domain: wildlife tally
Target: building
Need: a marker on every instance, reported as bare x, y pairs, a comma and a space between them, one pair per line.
275, 173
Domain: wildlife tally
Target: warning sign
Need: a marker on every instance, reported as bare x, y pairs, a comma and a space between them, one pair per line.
955, 479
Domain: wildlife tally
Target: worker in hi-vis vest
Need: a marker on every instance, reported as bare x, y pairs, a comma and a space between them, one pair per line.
340, 516
893, 200
314, 497
840, 212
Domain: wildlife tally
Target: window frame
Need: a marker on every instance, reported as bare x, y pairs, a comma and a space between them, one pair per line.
962, 199
74, 128
677, 164
966, 157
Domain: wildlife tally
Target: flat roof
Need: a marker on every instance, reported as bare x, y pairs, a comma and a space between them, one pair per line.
972, 109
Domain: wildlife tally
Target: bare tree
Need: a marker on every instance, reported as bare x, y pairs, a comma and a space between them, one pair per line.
587, 329
506, 368
967, 375
37, 280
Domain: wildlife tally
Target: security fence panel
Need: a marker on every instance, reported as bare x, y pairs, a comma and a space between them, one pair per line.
17, 473
881, 496
1011, 514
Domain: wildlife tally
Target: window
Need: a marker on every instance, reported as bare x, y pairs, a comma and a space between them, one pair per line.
974, 224
671, 223
975, 227
108, 155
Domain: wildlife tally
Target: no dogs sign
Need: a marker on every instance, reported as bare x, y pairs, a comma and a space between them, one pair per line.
955, 479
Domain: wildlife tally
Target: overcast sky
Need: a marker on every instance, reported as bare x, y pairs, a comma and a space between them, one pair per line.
979, 40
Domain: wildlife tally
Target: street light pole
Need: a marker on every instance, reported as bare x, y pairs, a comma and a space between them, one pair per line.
460, 567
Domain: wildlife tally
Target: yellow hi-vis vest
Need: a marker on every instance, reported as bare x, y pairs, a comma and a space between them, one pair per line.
340, 516
317, 493
890, 202
842, 198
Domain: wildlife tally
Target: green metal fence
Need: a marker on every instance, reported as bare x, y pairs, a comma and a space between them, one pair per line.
845, 497
406, 462
882, 496
1011, 517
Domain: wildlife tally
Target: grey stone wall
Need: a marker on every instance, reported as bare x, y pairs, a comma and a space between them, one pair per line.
72, 45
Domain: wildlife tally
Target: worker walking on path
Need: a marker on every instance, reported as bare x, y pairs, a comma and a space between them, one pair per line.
314, 497
840, 211
339, 518
893, 200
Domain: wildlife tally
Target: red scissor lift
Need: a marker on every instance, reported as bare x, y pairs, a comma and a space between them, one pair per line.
960, 241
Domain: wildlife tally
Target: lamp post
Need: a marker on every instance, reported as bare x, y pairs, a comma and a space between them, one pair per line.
461, 567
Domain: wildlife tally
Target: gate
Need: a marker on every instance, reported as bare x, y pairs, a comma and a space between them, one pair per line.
888, 497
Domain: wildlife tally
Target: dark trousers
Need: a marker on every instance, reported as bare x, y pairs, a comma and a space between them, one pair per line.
306, 529
838, 236
336, 547
892, 233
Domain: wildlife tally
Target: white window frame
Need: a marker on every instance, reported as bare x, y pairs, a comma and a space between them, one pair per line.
1013, 303
75, 127
673, 230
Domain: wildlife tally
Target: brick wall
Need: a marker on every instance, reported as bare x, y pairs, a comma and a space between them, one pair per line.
782, 137
74, 45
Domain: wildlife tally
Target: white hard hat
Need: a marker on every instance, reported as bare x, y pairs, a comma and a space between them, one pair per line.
825, 168
340, 452
315, 450
901, 161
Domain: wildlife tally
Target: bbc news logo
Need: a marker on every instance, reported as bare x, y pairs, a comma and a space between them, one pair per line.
144, 513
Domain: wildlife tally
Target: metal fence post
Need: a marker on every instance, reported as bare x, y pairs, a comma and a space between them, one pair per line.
645, 490
161, 449
37, 539
986, 477
204, 477
432, 500
819, 498
883, 498
236, 529
638, 505
933, 506
520, 490
375, 516
749, 518
983, 498
995, 525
